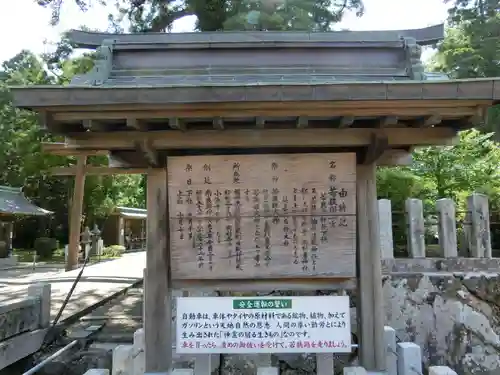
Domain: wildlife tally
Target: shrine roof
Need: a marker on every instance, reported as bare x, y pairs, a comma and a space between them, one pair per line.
258, 39
130, 212
177, 91
13, 202
45, 97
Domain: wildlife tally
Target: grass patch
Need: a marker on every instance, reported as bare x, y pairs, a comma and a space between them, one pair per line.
26, 256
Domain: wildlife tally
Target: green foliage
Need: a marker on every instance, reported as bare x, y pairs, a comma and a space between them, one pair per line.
217, 15
456, 171
45, 247
471, 48
113, 251
22, 163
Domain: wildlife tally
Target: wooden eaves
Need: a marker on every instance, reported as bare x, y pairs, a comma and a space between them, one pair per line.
100, 120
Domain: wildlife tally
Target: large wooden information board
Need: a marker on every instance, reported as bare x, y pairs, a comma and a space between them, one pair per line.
263, 216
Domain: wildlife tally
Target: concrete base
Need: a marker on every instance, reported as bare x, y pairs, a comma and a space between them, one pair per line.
8, 262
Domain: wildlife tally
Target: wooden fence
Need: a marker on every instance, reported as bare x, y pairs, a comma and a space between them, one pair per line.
474, 238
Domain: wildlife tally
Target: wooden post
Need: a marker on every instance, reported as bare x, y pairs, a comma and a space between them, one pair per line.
76, 214
447, 225
415, 228
121, 231
370, 304
385, 224
480, 236
158, 298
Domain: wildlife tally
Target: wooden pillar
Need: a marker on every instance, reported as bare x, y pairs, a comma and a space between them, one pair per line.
9, 236
158, 294
76, 214
370, 304
121, 230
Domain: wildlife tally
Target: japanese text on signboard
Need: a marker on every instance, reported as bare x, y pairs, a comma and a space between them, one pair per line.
262, 215
254, 325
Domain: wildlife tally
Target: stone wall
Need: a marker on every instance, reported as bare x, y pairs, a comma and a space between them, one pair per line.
454, 317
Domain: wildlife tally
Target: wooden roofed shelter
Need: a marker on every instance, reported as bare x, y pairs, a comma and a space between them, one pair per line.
125, 226
14, 204
219, 106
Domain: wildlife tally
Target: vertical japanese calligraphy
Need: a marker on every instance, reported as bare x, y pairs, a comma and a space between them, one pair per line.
263, 216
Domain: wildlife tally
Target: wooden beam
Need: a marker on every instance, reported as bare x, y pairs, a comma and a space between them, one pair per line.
400, 108
218, 123
158, 288
58, 148
96, 171
76, 214
252, 138
388, 121
388, 158
346, 122
134, 107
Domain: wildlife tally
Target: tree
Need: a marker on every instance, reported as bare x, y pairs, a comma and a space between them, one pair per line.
23, 164
443, 172
471, 47
217, 15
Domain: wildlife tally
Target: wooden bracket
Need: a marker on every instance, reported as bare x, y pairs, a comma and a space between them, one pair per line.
378, 145
428, 121
177, 124
302, 122
218, 123
389, 121
346, 122
135, 124
149, 152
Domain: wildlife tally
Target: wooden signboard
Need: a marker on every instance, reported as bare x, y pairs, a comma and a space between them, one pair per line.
263, 216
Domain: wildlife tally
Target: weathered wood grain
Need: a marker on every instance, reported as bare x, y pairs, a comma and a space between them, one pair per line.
263, 216
157, 296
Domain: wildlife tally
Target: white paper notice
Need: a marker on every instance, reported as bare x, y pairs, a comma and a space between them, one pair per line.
263, 325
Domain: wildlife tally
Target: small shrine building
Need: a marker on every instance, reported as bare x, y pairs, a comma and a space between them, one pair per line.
257, 130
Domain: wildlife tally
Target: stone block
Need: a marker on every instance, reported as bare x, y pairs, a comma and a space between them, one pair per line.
122, 360
139, 358
441, 370
97, 371
390, 355
409, 359
355, 370
267, 371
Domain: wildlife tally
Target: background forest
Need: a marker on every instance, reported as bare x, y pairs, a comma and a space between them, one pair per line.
471, 49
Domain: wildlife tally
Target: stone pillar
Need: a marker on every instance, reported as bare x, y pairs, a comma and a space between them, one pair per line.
409, 359
385, 225
480, 236
415, 228
42, 291
447, 225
